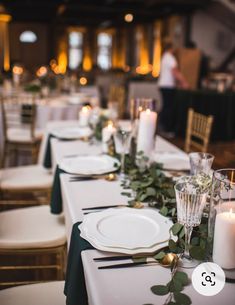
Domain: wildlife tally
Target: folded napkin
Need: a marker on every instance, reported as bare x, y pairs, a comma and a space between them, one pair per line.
75, 287
47, 162
56, 197
47, 157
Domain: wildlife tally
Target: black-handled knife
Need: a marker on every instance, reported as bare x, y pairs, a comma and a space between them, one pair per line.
128, 265
103, 207
112, 258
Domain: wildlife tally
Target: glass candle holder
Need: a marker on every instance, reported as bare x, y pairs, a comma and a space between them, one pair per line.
221, 229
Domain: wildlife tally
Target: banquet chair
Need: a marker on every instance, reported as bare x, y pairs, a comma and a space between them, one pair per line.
117, 94
20, 133
24, 185
32, 246
198, 131
50, 293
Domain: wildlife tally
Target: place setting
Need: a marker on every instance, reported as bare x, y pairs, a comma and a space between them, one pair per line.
81, 131
82, 168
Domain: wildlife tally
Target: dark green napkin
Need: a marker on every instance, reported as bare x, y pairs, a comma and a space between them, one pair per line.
56, 197
75, 287
47, 157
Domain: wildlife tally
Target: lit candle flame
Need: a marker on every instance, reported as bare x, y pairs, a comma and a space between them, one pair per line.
110, 125
85, 109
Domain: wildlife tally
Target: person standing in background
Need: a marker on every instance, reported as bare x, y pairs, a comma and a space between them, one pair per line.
170, 78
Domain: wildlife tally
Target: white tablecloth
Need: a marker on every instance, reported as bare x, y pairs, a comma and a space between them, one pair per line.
58, 108
120, 286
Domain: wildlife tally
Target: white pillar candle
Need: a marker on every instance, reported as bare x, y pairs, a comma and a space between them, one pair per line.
224, 239
146, 132
7, 87
84, 116
107, 133
16, 79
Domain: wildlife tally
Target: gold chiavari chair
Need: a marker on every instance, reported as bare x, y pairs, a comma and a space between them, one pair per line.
117, 94
198, 131
20, 133
24, 186
32, 246
34, 294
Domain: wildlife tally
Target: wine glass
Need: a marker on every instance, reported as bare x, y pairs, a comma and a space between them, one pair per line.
122, 141
191, 194
200, 162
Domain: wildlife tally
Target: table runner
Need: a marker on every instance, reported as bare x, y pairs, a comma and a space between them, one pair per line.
75, 287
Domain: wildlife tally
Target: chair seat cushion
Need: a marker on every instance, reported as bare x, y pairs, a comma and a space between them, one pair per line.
19, 135
36, 294
30, 228
25, 177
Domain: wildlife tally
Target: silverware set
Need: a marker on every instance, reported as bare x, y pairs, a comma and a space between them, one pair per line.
107, 177
167, 261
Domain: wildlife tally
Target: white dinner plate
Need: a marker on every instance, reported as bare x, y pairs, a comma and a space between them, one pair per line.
177, 161
98, 246
127, 228
90, 165
71, 133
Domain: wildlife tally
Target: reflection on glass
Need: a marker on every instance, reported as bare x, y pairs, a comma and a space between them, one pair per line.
122, 140
191, 194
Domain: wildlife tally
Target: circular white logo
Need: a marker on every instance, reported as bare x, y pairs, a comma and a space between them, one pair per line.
208, 279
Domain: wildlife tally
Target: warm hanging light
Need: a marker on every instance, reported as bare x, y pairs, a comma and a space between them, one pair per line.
5, 17
4, 14
128, 17
83, 81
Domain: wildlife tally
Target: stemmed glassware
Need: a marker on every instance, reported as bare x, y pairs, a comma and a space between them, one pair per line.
122, 141
200, 162
191, 195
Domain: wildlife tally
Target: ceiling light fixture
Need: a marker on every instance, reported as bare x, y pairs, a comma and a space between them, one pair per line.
128, 17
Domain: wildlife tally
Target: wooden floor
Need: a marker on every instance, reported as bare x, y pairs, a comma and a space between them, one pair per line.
224, 152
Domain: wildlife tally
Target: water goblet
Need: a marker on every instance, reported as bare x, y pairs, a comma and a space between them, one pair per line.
191, 195
122, 140
200, 162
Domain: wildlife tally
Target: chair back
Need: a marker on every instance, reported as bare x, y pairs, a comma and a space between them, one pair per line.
19, 114
198, 131
117, 94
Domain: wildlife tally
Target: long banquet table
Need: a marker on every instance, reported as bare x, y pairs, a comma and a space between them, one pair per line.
129, 286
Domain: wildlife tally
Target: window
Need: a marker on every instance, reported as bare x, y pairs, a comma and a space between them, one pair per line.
75, 49
28, 37
104, 42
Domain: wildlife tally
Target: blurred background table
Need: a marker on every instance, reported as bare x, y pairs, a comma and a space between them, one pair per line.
220, 105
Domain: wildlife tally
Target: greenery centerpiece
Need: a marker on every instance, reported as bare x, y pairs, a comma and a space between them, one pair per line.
148, 183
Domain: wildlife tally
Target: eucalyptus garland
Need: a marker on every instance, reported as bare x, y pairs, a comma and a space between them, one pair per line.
148, 183
99, 126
